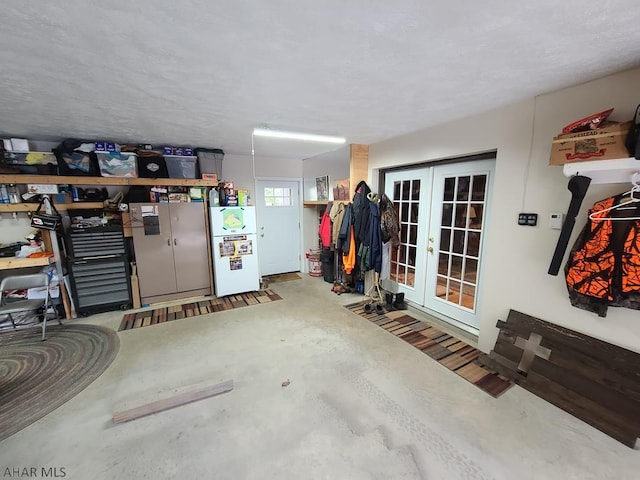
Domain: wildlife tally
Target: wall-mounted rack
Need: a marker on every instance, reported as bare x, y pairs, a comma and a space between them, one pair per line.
581, 175
604, 171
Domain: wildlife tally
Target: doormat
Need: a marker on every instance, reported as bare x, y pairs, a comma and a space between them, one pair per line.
194, 309
37, 377
447, 350
282, 277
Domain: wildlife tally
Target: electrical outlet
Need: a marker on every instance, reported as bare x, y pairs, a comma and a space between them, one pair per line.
528, 219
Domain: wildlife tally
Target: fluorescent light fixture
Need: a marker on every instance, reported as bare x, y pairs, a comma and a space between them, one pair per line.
308, 137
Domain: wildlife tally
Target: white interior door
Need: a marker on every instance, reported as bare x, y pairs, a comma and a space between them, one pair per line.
278, 212
409, 192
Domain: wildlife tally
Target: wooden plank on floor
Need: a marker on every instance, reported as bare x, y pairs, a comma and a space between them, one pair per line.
472, 373
172, 402
251, 300
612, 423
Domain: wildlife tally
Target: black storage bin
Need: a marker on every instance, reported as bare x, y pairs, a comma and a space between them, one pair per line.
77, 163
327, 257
151, 165
32, 163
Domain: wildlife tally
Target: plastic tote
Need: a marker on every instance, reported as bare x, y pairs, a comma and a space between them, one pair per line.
116, 164
210, 160
181, 167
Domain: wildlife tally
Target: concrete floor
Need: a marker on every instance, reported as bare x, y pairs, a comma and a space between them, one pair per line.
362, 404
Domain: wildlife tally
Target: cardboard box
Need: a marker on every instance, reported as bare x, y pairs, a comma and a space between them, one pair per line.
213, 177
44, 189
600, 144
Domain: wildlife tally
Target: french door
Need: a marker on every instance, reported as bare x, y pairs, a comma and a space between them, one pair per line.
408, 190
442, 229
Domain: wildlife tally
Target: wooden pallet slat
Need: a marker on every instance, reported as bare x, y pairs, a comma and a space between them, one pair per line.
172, 402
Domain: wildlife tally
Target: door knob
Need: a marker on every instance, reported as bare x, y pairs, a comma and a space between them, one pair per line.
431, 239
262, 234
430, 249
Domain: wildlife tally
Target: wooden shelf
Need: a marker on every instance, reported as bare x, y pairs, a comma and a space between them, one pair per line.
126, 181
314, 203
30, 207
7, 263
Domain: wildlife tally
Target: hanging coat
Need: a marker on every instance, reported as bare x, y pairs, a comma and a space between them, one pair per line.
343, 243
324, 230
360, 212
604, 264
389, 224
375, 241
336, 214
349, 260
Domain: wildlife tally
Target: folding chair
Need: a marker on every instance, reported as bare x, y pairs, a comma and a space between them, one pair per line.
37, 306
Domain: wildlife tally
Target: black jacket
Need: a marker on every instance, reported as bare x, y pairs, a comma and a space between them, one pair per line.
361, 214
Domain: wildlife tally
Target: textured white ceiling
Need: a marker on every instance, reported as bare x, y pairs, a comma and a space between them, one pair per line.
205, 73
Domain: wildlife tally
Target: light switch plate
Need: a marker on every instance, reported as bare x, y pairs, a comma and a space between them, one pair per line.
528, 219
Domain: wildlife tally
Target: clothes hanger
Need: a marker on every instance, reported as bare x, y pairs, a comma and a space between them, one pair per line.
633, 199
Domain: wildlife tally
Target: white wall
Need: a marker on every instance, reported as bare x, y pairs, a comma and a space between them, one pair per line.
517, 258
335, 165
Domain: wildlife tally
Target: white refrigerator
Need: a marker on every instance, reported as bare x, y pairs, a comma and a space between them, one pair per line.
235, 250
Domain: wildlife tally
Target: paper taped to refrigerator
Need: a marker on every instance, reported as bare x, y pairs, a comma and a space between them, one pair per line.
235, 245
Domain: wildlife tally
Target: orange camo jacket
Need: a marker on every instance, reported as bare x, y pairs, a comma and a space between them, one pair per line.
594, 266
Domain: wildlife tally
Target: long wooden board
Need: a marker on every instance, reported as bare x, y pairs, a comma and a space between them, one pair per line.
79, 180
7, 263
172, 402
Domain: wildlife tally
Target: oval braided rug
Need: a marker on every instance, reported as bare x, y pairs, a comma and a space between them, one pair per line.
37, 377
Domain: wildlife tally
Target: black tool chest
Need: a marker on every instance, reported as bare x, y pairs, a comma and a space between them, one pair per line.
97, 261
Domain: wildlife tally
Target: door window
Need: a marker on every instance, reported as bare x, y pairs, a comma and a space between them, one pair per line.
277, 197
406, 198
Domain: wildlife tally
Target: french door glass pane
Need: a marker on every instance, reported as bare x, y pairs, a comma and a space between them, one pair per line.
479, 186
447, 214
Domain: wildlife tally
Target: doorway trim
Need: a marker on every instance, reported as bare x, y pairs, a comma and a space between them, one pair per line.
382, 178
